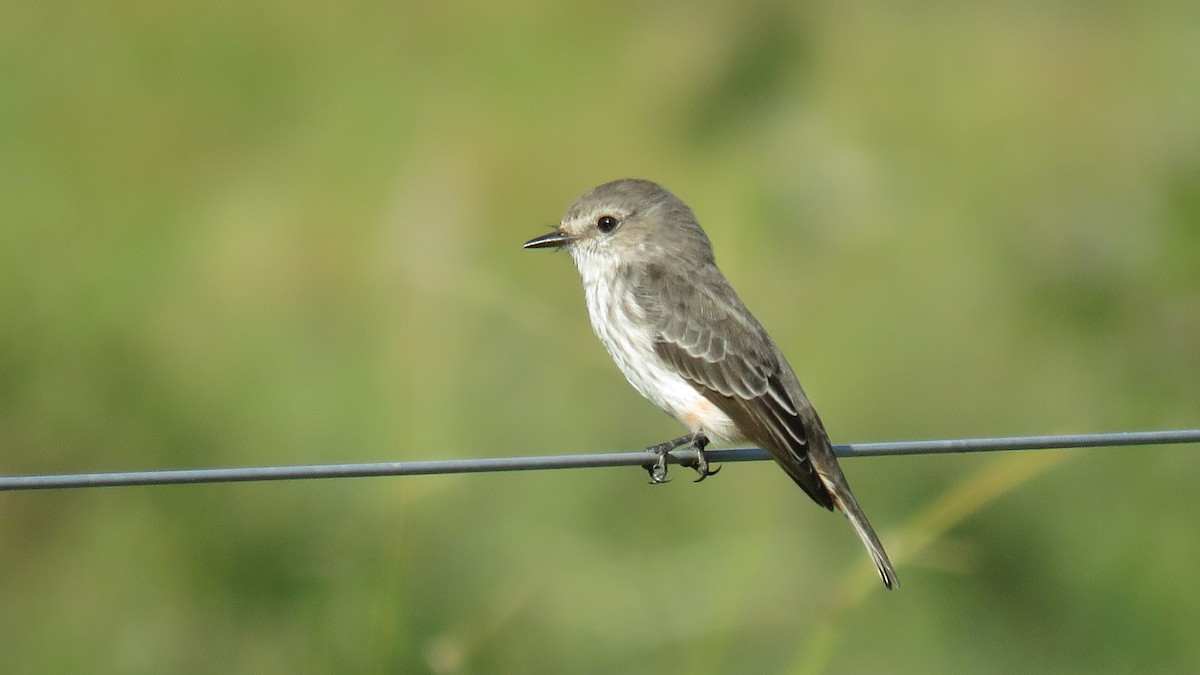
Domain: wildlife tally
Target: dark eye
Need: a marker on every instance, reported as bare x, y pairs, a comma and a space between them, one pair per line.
606, 223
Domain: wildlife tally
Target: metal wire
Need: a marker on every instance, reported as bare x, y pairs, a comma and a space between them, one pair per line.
481, 465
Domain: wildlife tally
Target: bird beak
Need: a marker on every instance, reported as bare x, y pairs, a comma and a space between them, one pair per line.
556, 239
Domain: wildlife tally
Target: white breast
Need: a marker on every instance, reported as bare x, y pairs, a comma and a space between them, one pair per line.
622, 328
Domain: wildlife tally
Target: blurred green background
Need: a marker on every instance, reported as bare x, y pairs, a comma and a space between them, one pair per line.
275, 233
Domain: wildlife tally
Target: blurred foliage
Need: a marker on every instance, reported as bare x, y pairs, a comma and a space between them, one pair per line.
256, 233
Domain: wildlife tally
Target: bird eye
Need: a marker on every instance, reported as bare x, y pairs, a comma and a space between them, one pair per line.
606, 223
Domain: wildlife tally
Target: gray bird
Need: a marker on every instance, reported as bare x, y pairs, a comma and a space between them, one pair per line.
684, 340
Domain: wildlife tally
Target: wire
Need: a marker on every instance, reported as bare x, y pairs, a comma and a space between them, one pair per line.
684, 457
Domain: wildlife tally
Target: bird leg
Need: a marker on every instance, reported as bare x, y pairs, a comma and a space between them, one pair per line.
701, 465
658, 470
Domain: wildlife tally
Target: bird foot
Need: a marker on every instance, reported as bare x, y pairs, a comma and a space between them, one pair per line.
658, 470
701, 465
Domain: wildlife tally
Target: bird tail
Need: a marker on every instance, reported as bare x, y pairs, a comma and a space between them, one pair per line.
849, 506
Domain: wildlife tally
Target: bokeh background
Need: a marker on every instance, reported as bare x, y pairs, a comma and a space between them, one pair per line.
253, 233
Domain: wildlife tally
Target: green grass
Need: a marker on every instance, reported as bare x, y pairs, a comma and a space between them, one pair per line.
239, 234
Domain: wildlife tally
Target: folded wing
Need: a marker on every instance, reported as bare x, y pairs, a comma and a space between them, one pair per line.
703, 330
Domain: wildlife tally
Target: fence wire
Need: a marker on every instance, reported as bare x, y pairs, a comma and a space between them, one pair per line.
580, 461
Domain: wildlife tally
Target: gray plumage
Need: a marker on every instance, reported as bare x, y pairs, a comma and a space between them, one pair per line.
683, 337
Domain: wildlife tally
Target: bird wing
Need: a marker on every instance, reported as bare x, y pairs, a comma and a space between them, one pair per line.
705, 333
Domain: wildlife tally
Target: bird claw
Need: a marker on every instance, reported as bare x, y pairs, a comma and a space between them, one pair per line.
658, 470
701, 465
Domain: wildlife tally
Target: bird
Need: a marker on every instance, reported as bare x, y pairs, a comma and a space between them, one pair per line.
684, 339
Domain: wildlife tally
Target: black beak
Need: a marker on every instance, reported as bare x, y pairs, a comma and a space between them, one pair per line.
555, 239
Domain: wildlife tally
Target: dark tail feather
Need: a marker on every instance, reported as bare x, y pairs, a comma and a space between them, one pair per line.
835, 492
847, 505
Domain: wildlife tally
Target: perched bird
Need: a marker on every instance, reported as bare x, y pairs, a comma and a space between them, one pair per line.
684, 340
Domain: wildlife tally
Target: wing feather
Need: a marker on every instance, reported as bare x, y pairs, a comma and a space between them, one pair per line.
703, 330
